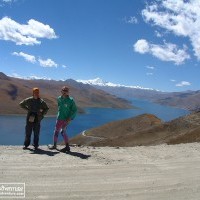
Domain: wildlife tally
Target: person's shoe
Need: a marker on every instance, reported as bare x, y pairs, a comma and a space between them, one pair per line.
35, 147
25, 147
66, 149
52, 147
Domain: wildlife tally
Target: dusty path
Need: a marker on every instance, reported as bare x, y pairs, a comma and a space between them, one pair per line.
91, 136
141, 173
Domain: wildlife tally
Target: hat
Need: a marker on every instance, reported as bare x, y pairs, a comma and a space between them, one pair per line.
36, 89
65, 88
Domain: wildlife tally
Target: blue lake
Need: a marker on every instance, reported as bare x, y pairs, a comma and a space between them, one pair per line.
12, 127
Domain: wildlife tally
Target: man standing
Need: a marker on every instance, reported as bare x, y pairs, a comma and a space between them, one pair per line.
36, 108
66, 112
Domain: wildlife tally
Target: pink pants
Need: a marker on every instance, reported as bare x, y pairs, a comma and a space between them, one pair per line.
61, 126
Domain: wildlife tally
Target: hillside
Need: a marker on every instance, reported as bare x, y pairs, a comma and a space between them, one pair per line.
143, 130
13, 90
187, 100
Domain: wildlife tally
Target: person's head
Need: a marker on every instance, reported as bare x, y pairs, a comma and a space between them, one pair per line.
65, 91
36, 93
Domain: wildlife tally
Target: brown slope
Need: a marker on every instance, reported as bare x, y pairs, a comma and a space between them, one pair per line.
13, 90
117, 129
188, 137
187, 100
181, 130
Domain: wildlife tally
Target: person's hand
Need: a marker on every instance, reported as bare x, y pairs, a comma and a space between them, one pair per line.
40, 116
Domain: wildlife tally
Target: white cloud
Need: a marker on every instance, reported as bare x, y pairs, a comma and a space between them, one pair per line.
150, 67
166, 52
182, 18
47, 63
169, 52
131, 20
4, 2
27, 57
141, 46
23, 34
183, 83
64, 66
158, 34
7, 1
31, 58
172, 80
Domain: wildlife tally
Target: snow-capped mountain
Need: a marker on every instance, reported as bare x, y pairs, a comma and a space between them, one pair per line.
124, 91
100, 82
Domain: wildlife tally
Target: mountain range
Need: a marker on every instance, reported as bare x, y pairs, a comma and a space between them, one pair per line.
13, 90
187, 99
89, 93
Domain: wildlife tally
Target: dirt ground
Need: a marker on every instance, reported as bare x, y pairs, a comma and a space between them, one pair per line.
163, 172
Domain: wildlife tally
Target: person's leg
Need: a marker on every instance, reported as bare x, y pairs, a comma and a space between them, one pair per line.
28, 131
58, 128
65, 137
36, 130
64, 133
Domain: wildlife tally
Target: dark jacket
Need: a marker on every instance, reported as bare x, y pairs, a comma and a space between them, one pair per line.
37, 107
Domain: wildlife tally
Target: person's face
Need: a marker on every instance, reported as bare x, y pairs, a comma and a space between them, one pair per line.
65, 93
36, 94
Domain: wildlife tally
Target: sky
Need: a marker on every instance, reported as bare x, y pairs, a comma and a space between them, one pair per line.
151, 44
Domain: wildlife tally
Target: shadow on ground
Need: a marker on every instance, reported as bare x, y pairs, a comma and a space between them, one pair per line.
76, 154
53, 153
42, 152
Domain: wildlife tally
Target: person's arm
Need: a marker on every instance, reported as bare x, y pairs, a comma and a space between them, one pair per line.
73, 110
45, 108
24, 104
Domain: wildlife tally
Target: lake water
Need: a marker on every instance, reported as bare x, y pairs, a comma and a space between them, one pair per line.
12, 127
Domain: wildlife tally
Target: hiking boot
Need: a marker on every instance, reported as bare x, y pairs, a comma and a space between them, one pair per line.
52, 147
35, 146
66, 149
25, 147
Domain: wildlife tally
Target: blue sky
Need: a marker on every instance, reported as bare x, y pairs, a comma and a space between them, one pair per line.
152, 44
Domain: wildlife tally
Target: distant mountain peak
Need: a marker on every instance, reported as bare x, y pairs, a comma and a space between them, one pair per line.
3, 76
99, 82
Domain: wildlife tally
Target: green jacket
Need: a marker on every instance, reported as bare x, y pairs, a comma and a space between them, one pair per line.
37, 106
66, 108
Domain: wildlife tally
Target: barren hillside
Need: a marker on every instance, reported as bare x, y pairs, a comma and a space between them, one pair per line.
143, 130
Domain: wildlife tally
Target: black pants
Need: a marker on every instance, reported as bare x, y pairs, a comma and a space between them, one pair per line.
35, 127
